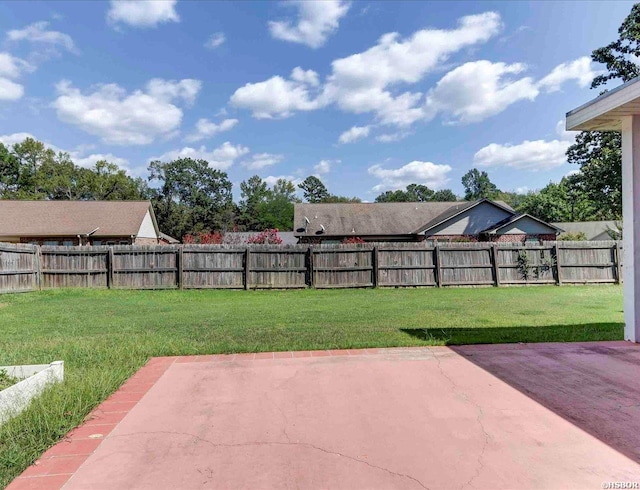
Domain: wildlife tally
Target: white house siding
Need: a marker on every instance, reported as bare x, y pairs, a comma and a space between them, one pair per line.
147, 230
526, 226
472, 221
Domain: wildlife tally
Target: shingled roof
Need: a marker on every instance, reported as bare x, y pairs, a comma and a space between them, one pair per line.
72, 218
375, 219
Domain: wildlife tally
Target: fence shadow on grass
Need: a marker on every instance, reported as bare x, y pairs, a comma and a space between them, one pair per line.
499, 335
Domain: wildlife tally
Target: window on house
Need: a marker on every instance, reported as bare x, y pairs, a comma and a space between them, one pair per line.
68, 243
123, 242
51, 242
97, 243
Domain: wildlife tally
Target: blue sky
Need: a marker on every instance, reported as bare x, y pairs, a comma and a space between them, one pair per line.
370, 96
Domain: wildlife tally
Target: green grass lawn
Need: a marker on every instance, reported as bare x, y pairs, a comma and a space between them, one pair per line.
105, 336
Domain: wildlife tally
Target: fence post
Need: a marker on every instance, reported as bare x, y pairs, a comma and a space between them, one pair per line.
247, 257
110, 268
618, 262
38, 264
312, 276
179, 267
494, 263
557, 249
436, 261
374, 262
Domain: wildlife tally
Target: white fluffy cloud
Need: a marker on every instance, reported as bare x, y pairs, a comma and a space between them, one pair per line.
354, 87
528, 155
469, 93
142, 13
37, 33
479, 89
220, 158
215, 40
358, 88
272, 180
324, 166
10, 90
354, 134
579, 70
317, 20
393, 137
278, 97
206, 129
10, 69
123, 118
262, 160
427, 173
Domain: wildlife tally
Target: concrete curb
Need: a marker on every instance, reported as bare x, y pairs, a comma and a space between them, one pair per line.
35, 378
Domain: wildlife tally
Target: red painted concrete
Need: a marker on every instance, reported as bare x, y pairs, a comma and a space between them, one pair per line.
502, 416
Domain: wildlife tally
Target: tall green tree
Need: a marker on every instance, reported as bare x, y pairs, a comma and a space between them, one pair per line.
191, 196
444, 195
477, 185
599, 152
558, 202
106, 181
277, 209
253, 191
314, 190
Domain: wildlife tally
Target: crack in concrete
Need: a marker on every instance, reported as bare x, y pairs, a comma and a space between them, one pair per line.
479, 418
278, 443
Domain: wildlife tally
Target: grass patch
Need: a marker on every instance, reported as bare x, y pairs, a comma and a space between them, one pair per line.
105, 336
6, 380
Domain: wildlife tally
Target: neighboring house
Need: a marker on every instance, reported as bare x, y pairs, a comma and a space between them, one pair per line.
78, 222
482, 220
165, 239
593, 230
241, 237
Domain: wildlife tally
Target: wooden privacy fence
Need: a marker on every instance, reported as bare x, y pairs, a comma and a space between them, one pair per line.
31, 267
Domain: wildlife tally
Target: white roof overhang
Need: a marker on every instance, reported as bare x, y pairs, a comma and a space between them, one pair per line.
605, 112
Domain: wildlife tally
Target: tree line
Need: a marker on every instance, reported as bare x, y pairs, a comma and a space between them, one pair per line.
190, 197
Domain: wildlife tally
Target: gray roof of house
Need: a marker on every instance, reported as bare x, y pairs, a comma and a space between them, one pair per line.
517, 217
591, 229
373, 219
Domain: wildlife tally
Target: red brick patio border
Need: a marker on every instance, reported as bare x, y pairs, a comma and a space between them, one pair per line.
58, 464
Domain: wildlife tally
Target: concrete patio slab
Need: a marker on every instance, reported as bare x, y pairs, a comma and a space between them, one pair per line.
517, 416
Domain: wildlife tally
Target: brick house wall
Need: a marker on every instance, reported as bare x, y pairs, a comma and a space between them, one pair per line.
73, 241
149, 241
521, 238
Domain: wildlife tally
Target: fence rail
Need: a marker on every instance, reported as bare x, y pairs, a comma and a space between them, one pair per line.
32, 267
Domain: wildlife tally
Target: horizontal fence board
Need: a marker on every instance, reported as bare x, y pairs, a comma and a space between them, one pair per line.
26, 267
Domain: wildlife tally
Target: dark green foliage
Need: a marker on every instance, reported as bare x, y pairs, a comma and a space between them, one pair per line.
477, 185
30, 170
599, 153
314, 190
191, 197
564, 201
416, 193
620, 55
